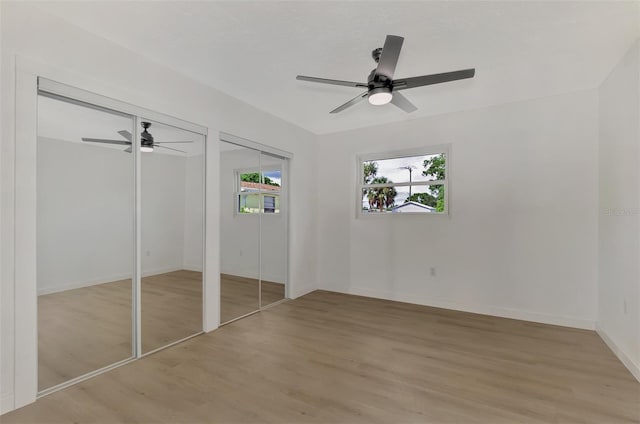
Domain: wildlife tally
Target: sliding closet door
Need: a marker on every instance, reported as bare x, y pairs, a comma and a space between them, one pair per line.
239, 231
85, 240
273, 234
172, 228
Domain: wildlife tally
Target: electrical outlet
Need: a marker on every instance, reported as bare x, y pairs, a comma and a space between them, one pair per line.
624, 306
432, 271
240, 252
148, 252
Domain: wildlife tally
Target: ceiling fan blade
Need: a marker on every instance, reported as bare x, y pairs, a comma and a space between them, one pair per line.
403, 103
351, 102
165, 142
402, 84
165, 147
126, 134
389, 57
102, 140
128, 149
331, 81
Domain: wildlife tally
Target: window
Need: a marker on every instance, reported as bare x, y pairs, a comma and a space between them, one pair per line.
257, 191
412, 181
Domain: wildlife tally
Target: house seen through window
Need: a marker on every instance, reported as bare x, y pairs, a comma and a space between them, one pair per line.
409, 182
259, 191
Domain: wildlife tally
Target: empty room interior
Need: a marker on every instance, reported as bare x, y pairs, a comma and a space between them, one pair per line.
320, 211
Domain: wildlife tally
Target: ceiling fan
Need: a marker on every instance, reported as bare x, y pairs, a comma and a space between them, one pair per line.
147, 143
381, 87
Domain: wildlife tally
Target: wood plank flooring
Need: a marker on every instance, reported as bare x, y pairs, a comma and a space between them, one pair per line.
85, 329
171, 308
82, 330
240, 295
334, 358
88, 328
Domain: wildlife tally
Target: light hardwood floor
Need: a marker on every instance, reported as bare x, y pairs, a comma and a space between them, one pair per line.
171, 308
85, 329
328, 357
82, 330
240, 296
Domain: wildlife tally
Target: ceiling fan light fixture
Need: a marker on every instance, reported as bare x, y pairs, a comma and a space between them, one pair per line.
380, 96
146, 149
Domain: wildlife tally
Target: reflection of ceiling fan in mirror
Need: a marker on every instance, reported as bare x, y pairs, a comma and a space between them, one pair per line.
147, 144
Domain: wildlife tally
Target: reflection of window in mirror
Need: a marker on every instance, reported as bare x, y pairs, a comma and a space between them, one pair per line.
252, 186
269, 204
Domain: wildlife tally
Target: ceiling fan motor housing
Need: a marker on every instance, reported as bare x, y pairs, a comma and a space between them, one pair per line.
146, 139
378, 83
376, 53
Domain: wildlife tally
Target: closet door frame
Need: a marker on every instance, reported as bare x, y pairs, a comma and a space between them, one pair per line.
31, 78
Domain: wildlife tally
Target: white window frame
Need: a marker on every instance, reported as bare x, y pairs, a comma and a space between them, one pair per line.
237, 190
421, 151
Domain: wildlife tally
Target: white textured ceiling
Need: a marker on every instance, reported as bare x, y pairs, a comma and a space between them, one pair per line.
254, 50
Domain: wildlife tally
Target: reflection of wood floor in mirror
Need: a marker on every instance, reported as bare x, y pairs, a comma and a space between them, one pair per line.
239, 295
85, 329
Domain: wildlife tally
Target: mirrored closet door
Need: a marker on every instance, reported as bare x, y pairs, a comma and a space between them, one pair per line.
239, 231
120, 229
172, 195
85, 240
273, 231
253, 230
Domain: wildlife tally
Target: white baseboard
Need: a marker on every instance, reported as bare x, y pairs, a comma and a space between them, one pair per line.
6, 403
196, 268
158, 271
475, 308
632, 366
241, 275
79, 285
271, 278
296, 292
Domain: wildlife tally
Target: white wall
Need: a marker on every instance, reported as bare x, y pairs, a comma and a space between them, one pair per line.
85, 219
85, 214
521, 239
193, 213
240, 236
163, 200
73, 56
619, 211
